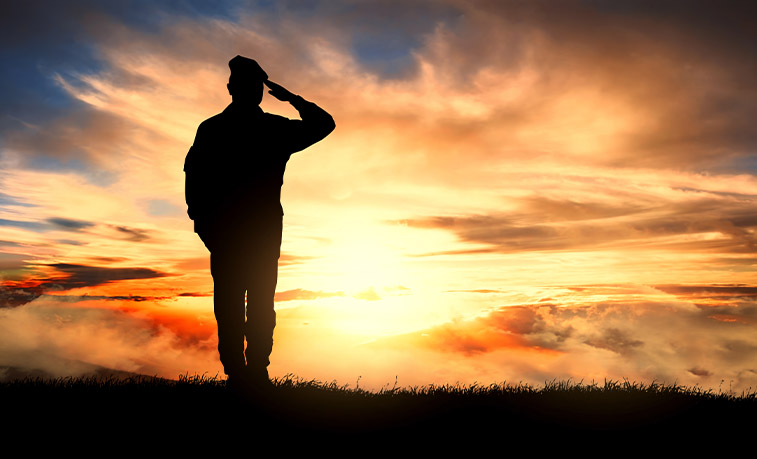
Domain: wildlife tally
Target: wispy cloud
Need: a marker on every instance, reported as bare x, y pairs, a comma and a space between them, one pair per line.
681, 222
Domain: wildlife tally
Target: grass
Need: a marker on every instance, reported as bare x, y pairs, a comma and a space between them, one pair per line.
200, 407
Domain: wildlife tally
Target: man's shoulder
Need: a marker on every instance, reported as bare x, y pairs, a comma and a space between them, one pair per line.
219, 123
213, 121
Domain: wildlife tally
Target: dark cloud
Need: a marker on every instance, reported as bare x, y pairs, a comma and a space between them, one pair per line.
133, 234
70, 242
196, 294
604, 289
550, 209
615, 340
77, 276
549, 226
55, 223
699, 372
18, 293
69, 224
713, 290
14, 294
683, 69
8, 200
726, 310
108, 259
34, 226
134, 298
518, 320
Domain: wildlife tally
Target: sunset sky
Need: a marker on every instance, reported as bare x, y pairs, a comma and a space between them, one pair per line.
515, 191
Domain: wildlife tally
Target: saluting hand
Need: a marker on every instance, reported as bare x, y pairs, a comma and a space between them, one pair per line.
279, 92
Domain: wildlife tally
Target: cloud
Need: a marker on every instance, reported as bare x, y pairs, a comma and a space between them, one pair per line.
8, 200
162, 207
76, 276
506, 328
133, 234
73, 225
134, 298
287, 259
69, 224
34, 226
368, 295
550, 224
68, 277
65, 341
14, 294
11, 262
678, 59
81, 140
623, 333
196, 294
614, 340
301, 294
699, 372
728, 291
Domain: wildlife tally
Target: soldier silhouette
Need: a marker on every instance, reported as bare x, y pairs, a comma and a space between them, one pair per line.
234, 173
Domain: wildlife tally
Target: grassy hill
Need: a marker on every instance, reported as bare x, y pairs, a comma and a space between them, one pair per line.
200, 412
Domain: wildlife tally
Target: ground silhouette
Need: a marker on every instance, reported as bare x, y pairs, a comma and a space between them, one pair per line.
307, 416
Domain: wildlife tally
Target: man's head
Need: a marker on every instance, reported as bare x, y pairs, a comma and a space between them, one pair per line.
246, 80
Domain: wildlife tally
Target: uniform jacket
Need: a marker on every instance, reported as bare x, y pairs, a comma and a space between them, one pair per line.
235, 168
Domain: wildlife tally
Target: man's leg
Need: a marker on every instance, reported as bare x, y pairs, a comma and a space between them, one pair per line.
261, 287
261, 317
228, 306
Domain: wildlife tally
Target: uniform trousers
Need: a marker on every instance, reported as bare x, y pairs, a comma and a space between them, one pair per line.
244, 266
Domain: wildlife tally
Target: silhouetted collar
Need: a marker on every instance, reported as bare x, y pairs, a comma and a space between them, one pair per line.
237, 109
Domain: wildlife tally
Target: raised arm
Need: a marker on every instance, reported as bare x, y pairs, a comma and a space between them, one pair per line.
315, 122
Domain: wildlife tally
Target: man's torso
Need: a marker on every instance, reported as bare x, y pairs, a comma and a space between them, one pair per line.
236, 168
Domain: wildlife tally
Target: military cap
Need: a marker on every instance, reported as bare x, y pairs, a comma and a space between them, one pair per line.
244, 68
